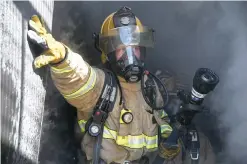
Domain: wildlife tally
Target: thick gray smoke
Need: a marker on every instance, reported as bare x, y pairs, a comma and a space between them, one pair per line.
230, 97
219, 33
221, 44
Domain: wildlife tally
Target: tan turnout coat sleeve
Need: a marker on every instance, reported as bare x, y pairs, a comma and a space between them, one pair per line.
78, 82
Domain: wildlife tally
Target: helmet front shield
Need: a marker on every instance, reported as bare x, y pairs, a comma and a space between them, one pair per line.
126, 36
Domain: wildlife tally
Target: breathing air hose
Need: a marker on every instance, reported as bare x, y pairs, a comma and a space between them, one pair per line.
165, 95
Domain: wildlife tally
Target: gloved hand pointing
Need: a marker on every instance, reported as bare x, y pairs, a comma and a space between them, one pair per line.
43, 44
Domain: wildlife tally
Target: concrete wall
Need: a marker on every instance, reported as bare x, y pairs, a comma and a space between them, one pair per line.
22, 89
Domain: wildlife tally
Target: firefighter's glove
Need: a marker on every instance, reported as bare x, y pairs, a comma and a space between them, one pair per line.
168, 152
45, 48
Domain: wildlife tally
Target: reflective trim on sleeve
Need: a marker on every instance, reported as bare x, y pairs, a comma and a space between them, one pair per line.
85, 88
82, 124
62, 70
165, 130
163, 114
134, 142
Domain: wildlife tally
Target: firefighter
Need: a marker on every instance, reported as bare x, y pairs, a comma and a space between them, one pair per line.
129, 132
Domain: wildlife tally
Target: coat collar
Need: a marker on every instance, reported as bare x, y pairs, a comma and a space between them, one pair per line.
129, 86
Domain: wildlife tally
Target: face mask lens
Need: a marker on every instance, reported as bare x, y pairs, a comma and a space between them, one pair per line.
137, 53
119, 53
128, 53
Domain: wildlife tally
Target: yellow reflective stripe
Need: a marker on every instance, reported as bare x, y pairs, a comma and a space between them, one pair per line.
165, 130
165, 127
85, 88
82, 124
134, 142
109, 134
62, 70
165, 135
163, 114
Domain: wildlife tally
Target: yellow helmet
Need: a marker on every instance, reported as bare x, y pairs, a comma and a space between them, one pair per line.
109, 24
122, 41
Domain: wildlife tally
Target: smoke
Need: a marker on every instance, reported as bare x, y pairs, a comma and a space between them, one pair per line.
229, 100
75, 32
213, 35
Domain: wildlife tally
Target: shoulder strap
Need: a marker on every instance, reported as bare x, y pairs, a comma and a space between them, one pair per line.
104, 105
109, 91
101, 111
